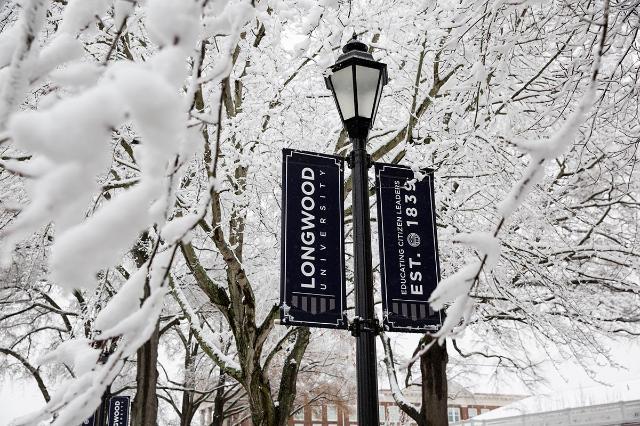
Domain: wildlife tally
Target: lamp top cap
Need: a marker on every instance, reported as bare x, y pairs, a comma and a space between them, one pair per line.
354, 49
354, 44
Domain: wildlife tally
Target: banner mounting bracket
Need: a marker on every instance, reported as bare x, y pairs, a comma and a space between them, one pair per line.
358, 325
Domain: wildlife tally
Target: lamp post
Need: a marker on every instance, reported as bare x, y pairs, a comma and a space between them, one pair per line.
356, 81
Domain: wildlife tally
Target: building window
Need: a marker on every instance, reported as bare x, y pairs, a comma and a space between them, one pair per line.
454, 414
299, 415
381, 413
472, 412
353, 414
332, 413
316, 413
394, 413
485, 410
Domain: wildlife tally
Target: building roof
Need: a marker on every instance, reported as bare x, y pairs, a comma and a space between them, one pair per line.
458, 395
566, 400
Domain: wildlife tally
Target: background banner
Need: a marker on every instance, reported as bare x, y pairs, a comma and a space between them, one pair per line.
408, 248
312, 286
91, 421
119, 410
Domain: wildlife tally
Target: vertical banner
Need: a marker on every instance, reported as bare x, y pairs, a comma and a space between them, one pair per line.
91, 421
119, 411
408, 248
312, 286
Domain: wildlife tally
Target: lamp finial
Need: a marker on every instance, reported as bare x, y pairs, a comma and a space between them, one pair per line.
354, 44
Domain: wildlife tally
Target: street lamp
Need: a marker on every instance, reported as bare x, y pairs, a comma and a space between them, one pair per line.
356, 81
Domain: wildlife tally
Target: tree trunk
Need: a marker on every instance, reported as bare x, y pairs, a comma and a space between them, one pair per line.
260, 401
289, 378
218, 402
187, 412
433, 366
145, 404
144, 410
188, 409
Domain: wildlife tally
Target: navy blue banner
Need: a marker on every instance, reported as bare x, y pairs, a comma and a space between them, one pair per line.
119, 411
91, 421
408, 248
312, 286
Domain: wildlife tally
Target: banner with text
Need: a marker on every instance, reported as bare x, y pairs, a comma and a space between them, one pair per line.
408, 248
91, 421
119, 410
312, 286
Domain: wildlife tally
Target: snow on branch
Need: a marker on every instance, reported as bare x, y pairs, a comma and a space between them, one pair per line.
457, 287
16, 82
225, 362
396, 392
78, 397
70, 144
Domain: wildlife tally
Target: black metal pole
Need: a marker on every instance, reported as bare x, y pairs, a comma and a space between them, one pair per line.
103, 419
366, 364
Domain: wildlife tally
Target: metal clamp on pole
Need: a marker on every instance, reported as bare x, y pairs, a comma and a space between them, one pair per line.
354, 327
369, 325
351, 160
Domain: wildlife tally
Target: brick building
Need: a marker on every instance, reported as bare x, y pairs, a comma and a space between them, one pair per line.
463, 405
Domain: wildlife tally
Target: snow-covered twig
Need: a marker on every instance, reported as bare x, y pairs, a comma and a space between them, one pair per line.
226, 363
457, 287
19, 70
149, 96
77, 401
398, 396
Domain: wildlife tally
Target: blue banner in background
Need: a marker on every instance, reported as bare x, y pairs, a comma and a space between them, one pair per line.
91, 421
409, 265
119, 410
312, 286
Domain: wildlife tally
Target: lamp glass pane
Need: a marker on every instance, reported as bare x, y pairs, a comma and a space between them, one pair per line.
342, 82
367, 81
375, 111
